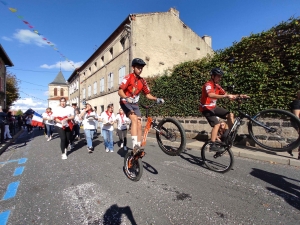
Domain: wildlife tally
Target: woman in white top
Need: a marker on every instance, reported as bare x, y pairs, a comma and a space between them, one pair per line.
89, 115
63, 116
48, 120
122, 120
108, 119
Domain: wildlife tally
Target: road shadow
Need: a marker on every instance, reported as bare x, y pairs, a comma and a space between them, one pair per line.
289, 191
196, 160
149, 168
113, 216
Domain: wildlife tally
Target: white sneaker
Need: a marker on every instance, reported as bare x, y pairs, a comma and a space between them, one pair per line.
122, 145
64, 156
107, 150
111, 150
46, 136
125, 148
49, 139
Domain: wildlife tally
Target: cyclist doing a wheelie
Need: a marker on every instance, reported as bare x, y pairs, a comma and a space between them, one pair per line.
129, 92
211, 92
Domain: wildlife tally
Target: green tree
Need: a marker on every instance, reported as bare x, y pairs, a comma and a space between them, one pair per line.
12, 89
19, 113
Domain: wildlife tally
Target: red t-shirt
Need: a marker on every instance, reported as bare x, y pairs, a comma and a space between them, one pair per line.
133, 85
207, 103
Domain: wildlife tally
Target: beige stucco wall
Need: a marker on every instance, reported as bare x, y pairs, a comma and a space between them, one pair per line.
165, 41
161, 39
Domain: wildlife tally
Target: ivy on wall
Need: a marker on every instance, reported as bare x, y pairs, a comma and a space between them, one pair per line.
265, 66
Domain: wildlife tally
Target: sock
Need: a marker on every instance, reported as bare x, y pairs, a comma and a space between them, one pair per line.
134, 140
138, 143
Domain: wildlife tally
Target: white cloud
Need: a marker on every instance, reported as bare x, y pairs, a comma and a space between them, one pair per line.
6, 38
46, 93
65, 65
26, 103
29, 37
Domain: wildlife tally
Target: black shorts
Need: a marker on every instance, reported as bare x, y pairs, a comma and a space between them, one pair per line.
211, 115
131, 107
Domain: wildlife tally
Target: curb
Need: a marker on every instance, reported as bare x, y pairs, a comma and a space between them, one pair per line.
256, 155
5, 145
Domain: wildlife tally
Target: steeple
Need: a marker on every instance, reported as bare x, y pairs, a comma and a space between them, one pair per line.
59, 79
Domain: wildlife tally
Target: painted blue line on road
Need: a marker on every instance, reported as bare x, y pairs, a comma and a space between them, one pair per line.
23, 160
4, 217
20, 161
11, 190
19, 171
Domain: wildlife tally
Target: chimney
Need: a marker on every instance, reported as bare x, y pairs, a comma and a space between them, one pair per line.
207, 40
174, 11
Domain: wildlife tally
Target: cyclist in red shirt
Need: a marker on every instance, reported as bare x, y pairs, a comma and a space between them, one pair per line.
129, 92
211, 92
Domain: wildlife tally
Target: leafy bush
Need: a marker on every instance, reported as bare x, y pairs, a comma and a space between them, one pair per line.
266, 66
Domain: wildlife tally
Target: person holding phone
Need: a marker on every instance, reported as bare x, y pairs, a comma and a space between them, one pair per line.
108, 118
89, 116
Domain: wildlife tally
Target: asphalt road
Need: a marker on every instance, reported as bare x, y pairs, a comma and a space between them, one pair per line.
38, 187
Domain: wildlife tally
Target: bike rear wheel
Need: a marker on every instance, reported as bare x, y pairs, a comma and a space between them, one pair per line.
220, 162
133, 166
282, 132
171, 136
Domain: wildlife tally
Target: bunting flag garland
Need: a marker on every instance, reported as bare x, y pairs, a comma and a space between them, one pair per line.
33, 97
14, 10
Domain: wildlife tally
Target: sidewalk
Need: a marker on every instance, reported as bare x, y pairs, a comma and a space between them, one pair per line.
5, 145
254, 153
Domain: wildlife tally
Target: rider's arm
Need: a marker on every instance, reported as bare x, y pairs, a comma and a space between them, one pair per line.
216, 96
150, 97
121, 93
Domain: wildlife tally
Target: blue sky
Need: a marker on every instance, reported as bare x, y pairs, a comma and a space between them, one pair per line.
78, 27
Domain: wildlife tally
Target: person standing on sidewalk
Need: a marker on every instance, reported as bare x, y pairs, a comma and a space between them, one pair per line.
295, 107
108, 119
48, 120
63, 116
122, 121
28, 120
2, 123
89, 116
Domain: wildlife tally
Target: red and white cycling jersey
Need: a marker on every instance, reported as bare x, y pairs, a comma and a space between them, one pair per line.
207, 103
133, 85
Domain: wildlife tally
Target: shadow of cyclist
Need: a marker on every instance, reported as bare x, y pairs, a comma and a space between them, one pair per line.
289, 191
113, 215
192, 159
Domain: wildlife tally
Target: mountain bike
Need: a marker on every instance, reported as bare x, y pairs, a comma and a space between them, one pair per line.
271, 129
170, 137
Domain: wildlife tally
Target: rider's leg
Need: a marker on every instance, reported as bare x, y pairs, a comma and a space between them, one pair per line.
134, 129
139, 131
214, 132
230, 120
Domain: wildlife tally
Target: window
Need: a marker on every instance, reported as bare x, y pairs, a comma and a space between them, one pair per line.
111, 51
122, 42
89, 91
110, 81
83, 93
121, 74
101, 85
55, 91
95, 64
102, 59
61, 92
95, 88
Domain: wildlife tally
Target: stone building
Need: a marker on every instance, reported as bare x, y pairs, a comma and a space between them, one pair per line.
161, 39
58, 88
4, 62
73, 82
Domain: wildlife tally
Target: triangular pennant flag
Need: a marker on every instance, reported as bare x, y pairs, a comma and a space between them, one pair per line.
25, 22
12, 10
35, 31
20, 17
30, 26
45, 39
